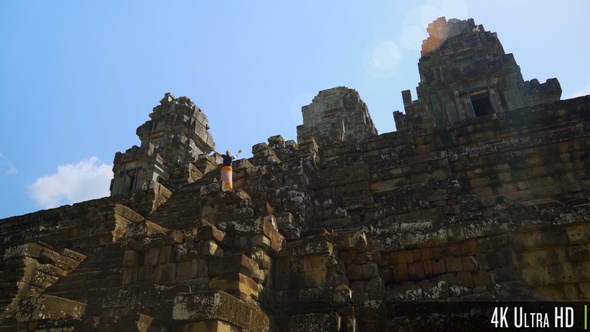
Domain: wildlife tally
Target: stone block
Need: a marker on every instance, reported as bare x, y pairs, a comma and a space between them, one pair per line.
400, 273
346, 256
585, 289
417, 255
49, 307
151, 256
469, 247
183, 271
261, 241
370, 270
416, 271
540, 257
428, 268
437, 253
563, 273
314, 263
398, 257
426, 254
496, 259
165, 254
310, 322
439, 267
209, 248
490, 243
550, 292
210, 232
506, 276
169, 272
571, 292
357, 286
50, 270
465, 279
578, 253
42, 280
184, 251
235, 283
214, 266
359, 257
281, 265
354, 272
156, 274
386, 275
576, 234
454, 249
241, 264
315, 279
356, 240
199, 268
207, 326
144, 273
454, 263
540, 239
143, 228
385, 185
469, 263
374, 285
132, 258
218, 305
130, 275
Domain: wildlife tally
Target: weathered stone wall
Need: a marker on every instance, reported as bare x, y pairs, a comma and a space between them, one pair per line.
526, 156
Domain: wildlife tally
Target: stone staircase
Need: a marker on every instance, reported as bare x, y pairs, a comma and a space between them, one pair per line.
101, 270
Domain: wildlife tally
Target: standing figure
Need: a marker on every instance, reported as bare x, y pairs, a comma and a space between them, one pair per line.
226, 170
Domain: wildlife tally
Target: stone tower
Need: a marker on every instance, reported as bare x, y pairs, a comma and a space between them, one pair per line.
175, 136
335, 115
464, 73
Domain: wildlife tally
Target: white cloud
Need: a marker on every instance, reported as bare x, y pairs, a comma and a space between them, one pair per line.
6, 166
73, 183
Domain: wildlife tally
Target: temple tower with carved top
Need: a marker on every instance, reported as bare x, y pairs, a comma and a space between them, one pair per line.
465, 73
335, 115
174, 137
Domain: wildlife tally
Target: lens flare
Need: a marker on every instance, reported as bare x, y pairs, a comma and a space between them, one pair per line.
381, 58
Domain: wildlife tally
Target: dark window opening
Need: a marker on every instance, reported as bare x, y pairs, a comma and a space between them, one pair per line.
129, 181
481, 103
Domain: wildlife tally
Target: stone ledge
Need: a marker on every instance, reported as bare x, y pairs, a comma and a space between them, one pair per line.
49, 307
219, 305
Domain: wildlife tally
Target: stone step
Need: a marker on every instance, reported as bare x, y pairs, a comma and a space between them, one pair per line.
83, 289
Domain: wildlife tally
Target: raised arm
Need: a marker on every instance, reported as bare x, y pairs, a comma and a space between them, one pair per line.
240, 151
217, 153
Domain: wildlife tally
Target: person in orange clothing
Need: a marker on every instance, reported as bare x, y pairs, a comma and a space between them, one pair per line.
226, 170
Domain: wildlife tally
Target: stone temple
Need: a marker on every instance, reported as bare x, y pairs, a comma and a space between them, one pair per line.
481, 195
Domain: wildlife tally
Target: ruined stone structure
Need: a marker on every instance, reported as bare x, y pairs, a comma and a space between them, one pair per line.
480, 195
176, 134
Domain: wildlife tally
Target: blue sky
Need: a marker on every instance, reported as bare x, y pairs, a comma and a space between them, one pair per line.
78, 77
